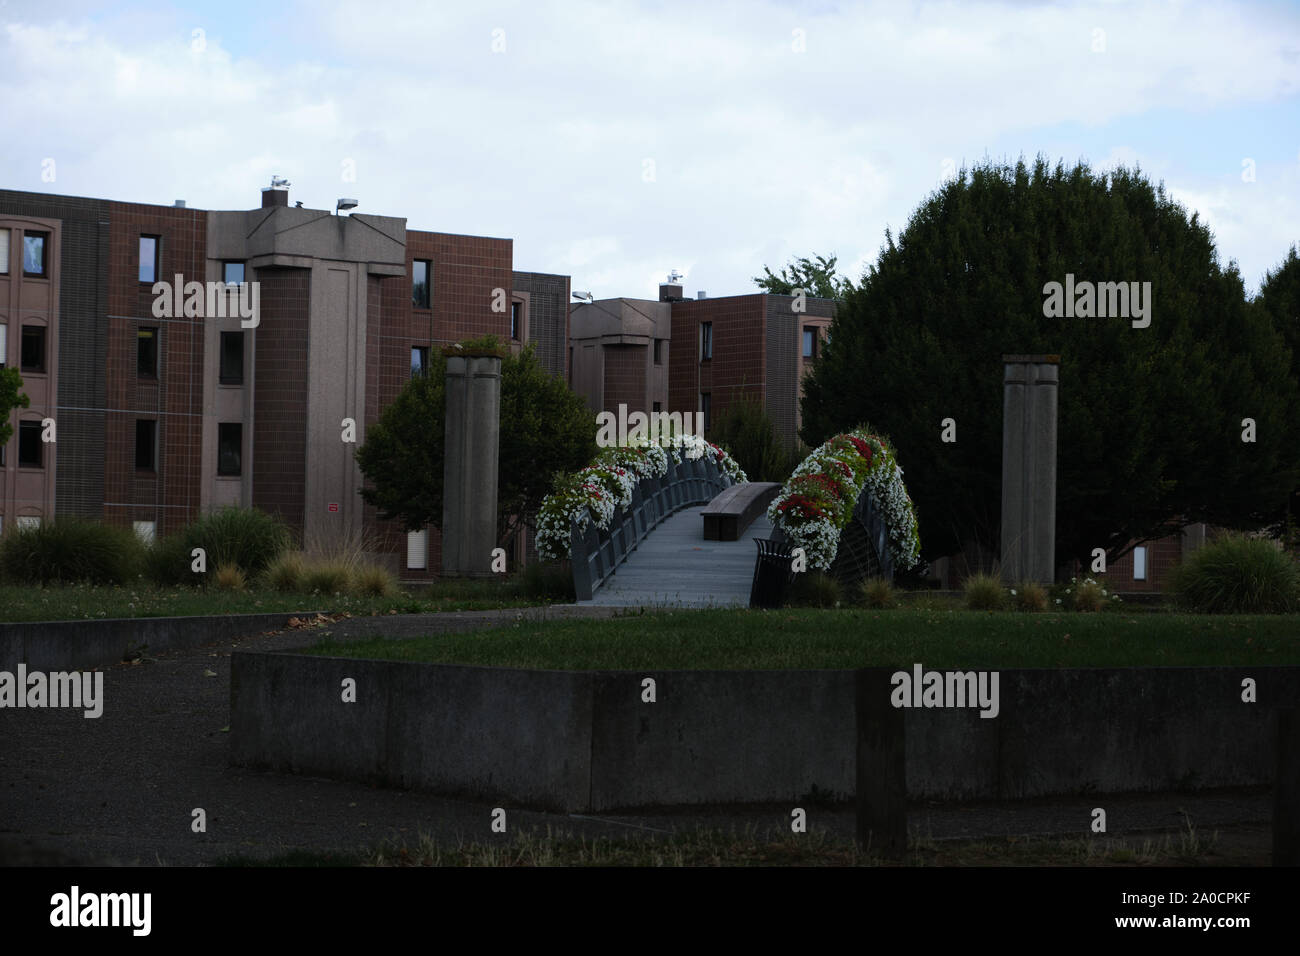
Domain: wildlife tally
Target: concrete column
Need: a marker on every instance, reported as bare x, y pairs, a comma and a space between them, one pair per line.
1029, 393
469, 492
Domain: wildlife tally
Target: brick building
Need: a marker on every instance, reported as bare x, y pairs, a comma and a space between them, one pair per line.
162, 413
697, 355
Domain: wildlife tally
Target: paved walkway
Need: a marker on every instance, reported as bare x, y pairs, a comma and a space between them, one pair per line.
675, 567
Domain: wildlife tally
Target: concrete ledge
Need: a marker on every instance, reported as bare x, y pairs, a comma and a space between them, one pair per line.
587, 741
82, 645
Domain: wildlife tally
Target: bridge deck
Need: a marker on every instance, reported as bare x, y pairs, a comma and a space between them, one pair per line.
675, 567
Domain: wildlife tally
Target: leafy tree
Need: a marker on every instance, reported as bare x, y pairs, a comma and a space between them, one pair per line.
815, 277
10, 398
1150, 419
1279, 299
545, 428
744, 429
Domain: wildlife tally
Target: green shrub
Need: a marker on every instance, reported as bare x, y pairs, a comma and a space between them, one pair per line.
286, 573
876, 593
168, 562
746, 431
230, 578
66, 549
1238, 575
984, 592
327, 577
1089, 596
246, 537
815, 589
372, 580
1029, 596
550, 580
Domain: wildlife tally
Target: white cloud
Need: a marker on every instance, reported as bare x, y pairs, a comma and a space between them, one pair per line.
760, 152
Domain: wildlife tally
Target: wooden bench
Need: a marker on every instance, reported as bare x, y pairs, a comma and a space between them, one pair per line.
728, 515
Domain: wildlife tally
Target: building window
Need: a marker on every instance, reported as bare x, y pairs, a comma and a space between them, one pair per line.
659, 351
419, 361
809, 342
146, 531
417, 548
706, 409
146, 353
706, 341
27, 521
34, 253
232, 273
149, 259
30, 445
4, 344
146, 444
420, 283
232, 358
230, 446
516, 315
4, 251
33, 357
1139, 564
657, 407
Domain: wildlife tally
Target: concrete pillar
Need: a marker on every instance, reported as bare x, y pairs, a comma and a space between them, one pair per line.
469, 491
1029, 393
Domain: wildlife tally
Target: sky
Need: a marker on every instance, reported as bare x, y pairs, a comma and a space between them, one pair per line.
615, 142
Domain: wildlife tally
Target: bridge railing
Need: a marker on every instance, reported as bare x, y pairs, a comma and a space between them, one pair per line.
596, 554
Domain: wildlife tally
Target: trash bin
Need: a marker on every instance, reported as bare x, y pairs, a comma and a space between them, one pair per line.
772, 573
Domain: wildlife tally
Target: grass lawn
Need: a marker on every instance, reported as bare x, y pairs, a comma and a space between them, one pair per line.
750, 848
83, 601
813, 639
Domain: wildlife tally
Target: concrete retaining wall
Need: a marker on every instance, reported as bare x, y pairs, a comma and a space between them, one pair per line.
82, 645
587, 741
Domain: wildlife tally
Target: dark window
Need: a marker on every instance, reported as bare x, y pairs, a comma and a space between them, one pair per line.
230, 446
146, 353
146, 444
809, 342
149, 259
34, 253
706, 409
516, 313
33, 359
232, 358
232, 272
659, 351
706, 340
420, 284
419, 360
29, 445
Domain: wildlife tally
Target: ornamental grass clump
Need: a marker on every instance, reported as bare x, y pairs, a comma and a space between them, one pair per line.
984, 592
877, 593
1029, 596
1238, 575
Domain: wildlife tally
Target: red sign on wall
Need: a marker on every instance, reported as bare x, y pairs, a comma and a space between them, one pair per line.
333, 506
